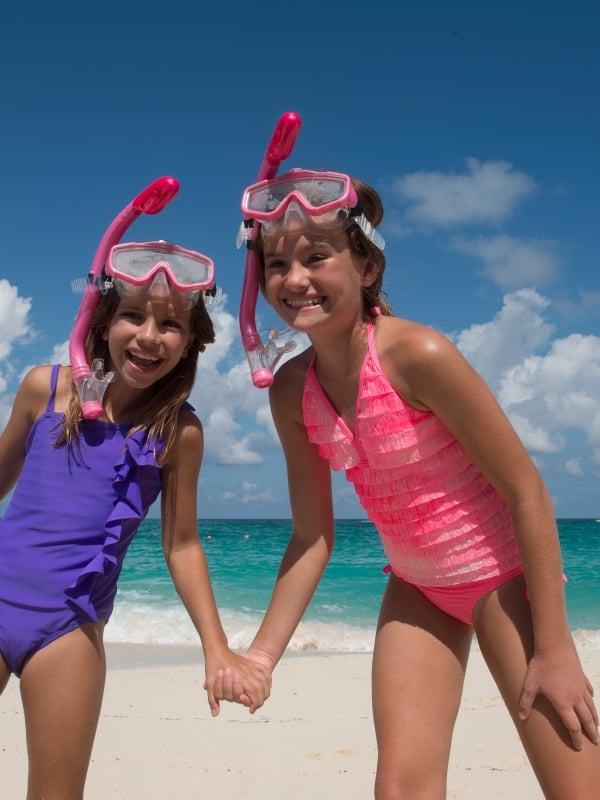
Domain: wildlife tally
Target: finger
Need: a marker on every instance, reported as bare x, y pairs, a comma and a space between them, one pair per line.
255, 705
214, 704
217, 684
590, 703
572, 724
237, 687
227, 685
589, 722
526, 701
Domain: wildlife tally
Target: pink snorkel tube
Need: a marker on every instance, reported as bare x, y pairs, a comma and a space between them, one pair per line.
262, 358
91, 383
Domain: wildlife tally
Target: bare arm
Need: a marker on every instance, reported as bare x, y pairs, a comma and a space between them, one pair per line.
187, 564
30, 402
311, 542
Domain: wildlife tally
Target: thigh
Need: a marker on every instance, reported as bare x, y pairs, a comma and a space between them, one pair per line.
505, 633
4, 674
62, 687
419, 664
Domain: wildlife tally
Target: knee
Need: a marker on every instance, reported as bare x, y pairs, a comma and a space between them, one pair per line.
411, 782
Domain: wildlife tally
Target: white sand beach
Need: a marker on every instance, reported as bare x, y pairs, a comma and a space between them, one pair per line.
313, 738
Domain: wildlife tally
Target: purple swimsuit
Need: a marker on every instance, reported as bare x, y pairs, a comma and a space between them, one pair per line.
65, 533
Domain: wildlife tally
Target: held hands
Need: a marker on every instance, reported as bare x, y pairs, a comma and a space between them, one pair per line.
557, 674
241, 680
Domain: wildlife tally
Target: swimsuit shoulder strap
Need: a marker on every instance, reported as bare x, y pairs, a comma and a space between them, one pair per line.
371, 341
53, 383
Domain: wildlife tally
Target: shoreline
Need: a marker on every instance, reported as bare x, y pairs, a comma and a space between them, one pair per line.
313, 738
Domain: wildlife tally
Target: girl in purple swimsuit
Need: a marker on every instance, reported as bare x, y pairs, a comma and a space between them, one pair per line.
464, 517
81, 489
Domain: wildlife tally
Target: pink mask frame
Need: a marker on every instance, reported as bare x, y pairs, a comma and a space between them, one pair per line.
90, 381
262, 359
299, 185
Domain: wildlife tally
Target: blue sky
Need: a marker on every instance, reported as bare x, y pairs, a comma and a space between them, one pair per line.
477, 122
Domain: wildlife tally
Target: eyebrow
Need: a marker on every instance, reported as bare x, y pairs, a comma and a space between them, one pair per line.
312, 242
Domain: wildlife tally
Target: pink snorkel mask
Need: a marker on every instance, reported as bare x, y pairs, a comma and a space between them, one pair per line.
303, 198
91, 382
158, 268
323, 198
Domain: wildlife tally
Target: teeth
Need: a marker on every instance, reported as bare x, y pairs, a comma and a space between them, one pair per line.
303, 303
143, 357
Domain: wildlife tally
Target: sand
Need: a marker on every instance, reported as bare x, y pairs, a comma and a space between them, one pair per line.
313, 738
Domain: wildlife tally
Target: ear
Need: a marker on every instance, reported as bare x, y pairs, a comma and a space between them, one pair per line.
370, 273
186, 349
105, 334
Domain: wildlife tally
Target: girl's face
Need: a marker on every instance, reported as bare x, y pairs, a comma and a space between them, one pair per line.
309, 277
147, 336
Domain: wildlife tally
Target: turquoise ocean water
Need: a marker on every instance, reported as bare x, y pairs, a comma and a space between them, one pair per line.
244, 555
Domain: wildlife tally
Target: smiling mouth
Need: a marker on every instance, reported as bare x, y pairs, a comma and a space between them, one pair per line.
306, 302
141, 360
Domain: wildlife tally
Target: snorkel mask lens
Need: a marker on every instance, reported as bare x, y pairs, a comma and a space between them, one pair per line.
134, 265
296, 218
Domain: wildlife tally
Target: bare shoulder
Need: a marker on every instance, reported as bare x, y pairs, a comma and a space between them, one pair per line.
408, 340
34, 391
188, 447
189, 428
286, 391
411, 354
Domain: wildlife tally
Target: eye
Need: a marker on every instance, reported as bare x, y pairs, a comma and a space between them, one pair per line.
130, 314
173, 324
275, 264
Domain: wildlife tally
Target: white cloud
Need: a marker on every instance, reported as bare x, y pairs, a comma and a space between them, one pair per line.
511, 263
14, 328
265, 496
226, 400
488, 192
14, 310
535, 437
60, 353
224, 441
549, 388
517, 330
573, 467
559, 390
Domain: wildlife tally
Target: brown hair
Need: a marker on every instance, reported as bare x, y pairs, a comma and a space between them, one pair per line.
158, 415
373, 296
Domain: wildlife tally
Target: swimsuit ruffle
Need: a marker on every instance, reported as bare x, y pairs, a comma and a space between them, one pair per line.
439, 520
129, 510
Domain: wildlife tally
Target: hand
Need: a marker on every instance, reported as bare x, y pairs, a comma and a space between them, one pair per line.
240, 681
557, 675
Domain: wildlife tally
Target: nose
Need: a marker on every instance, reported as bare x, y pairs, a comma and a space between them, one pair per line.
297, 276
147, 332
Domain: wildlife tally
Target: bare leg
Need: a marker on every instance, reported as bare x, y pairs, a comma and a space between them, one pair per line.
504, 630
419, 664
62, 687
4, 674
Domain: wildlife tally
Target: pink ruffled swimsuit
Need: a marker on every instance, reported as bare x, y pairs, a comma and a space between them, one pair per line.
440, 521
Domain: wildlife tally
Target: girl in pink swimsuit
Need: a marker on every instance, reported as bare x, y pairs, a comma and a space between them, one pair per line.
464, 517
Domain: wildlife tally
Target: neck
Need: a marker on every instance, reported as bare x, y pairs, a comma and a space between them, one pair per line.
341, 357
